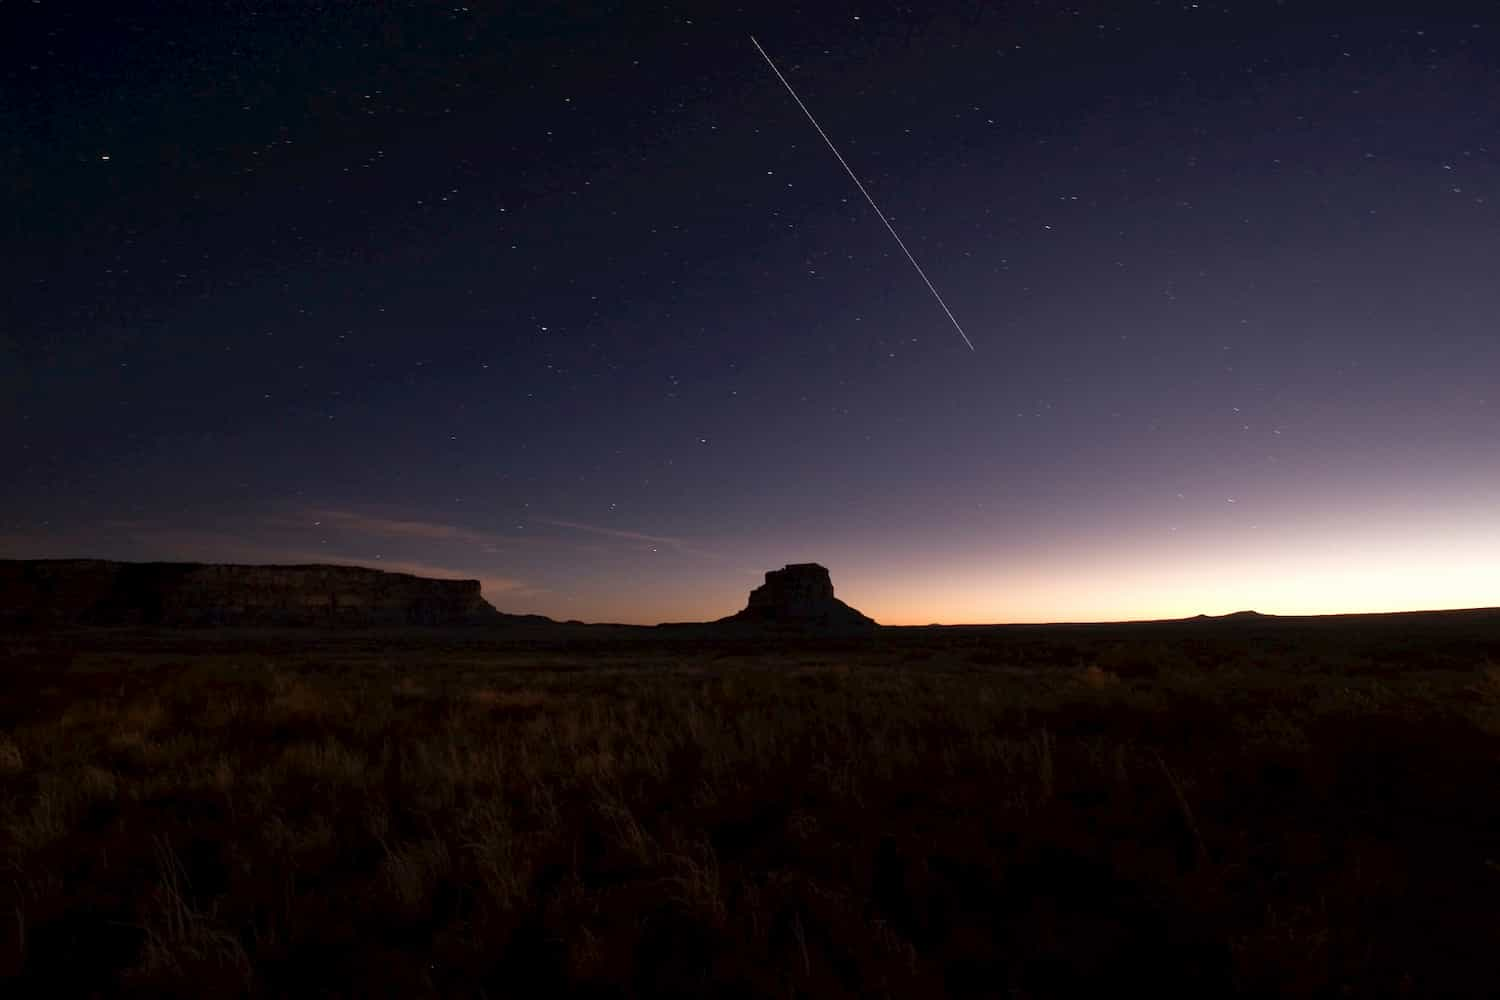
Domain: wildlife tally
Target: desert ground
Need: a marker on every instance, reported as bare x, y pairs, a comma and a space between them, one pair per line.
1254, 807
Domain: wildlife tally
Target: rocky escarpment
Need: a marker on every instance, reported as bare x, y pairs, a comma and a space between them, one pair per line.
99, 592
800, 596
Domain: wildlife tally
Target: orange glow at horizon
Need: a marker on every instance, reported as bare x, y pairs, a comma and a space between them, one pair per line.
1307, 575
1336, 563
1127, 584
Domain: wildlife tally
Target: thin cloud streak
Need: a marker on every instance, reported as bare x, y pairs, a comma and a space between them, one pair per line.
385, 527
401, 529
434, 531
633, 536
27, 547
678, 545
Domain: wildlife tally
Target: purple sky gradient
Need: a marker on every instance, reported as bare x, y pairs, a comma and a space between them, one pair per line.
581, 305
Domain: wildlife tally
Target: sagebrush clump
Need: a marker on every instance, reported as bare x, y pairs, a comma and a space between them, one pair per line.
913, 814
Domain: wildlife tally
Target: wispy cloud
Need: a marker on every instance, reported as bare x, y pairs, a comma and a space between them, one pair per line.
403, 529
594, 529
386, 527
141, 539
26, 547
680, 545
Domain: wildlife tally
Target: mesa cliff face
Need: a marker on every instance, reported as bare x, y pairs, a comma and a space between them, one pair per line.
100, 592
800, 596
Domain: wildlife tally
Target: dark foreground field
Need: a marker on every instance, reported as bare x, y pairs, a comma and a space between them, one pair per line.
1258, 808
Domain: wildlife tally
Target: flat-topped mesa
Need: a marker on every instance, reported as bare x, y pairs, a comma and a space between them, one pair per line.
800, 596
101, 592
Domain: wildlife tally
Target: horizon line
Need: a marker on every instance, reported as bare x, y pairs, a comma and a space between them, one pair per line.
1242, 615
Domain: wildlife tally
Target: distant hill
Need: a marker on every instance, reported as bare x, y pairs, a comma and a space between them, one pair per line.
103, 592
799, 596
1458, 617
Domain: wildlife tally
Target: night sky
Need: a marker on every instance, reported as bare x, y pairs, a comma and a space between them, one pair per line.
579, 304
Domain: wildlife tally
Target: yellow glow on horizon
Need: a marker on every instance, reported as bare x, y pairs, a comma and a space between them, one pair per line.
1290, 575
1317, 573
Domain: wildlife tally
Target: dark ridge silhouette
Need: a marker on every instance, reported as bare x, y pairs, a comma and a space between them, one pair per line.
795, 600
799, 597
102, 592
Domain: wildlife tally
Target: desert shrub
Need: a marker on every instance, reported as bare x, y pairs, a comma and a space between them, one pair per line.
896, 819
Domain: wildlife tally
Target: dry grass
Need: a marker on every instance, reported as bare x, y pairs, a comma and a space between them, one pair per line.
1021, 814
180, 942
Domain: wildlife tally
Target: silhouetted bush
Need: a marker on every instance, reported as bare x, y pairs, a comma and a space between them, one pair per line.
1027, 813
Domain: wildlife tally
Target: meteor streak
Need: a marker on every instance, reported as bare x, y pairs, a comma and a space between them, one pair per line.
845, 164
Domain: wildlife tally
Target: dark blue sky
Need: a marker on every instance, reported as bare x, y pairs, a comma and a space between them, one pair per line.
580, 304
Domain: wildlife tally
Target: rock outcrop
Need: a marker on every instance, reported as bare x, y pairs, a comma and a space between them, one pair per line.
99, 592
800, 596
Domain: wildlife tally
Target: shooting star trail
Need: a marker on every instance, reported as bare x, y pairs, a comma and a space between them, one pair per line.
845, 164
